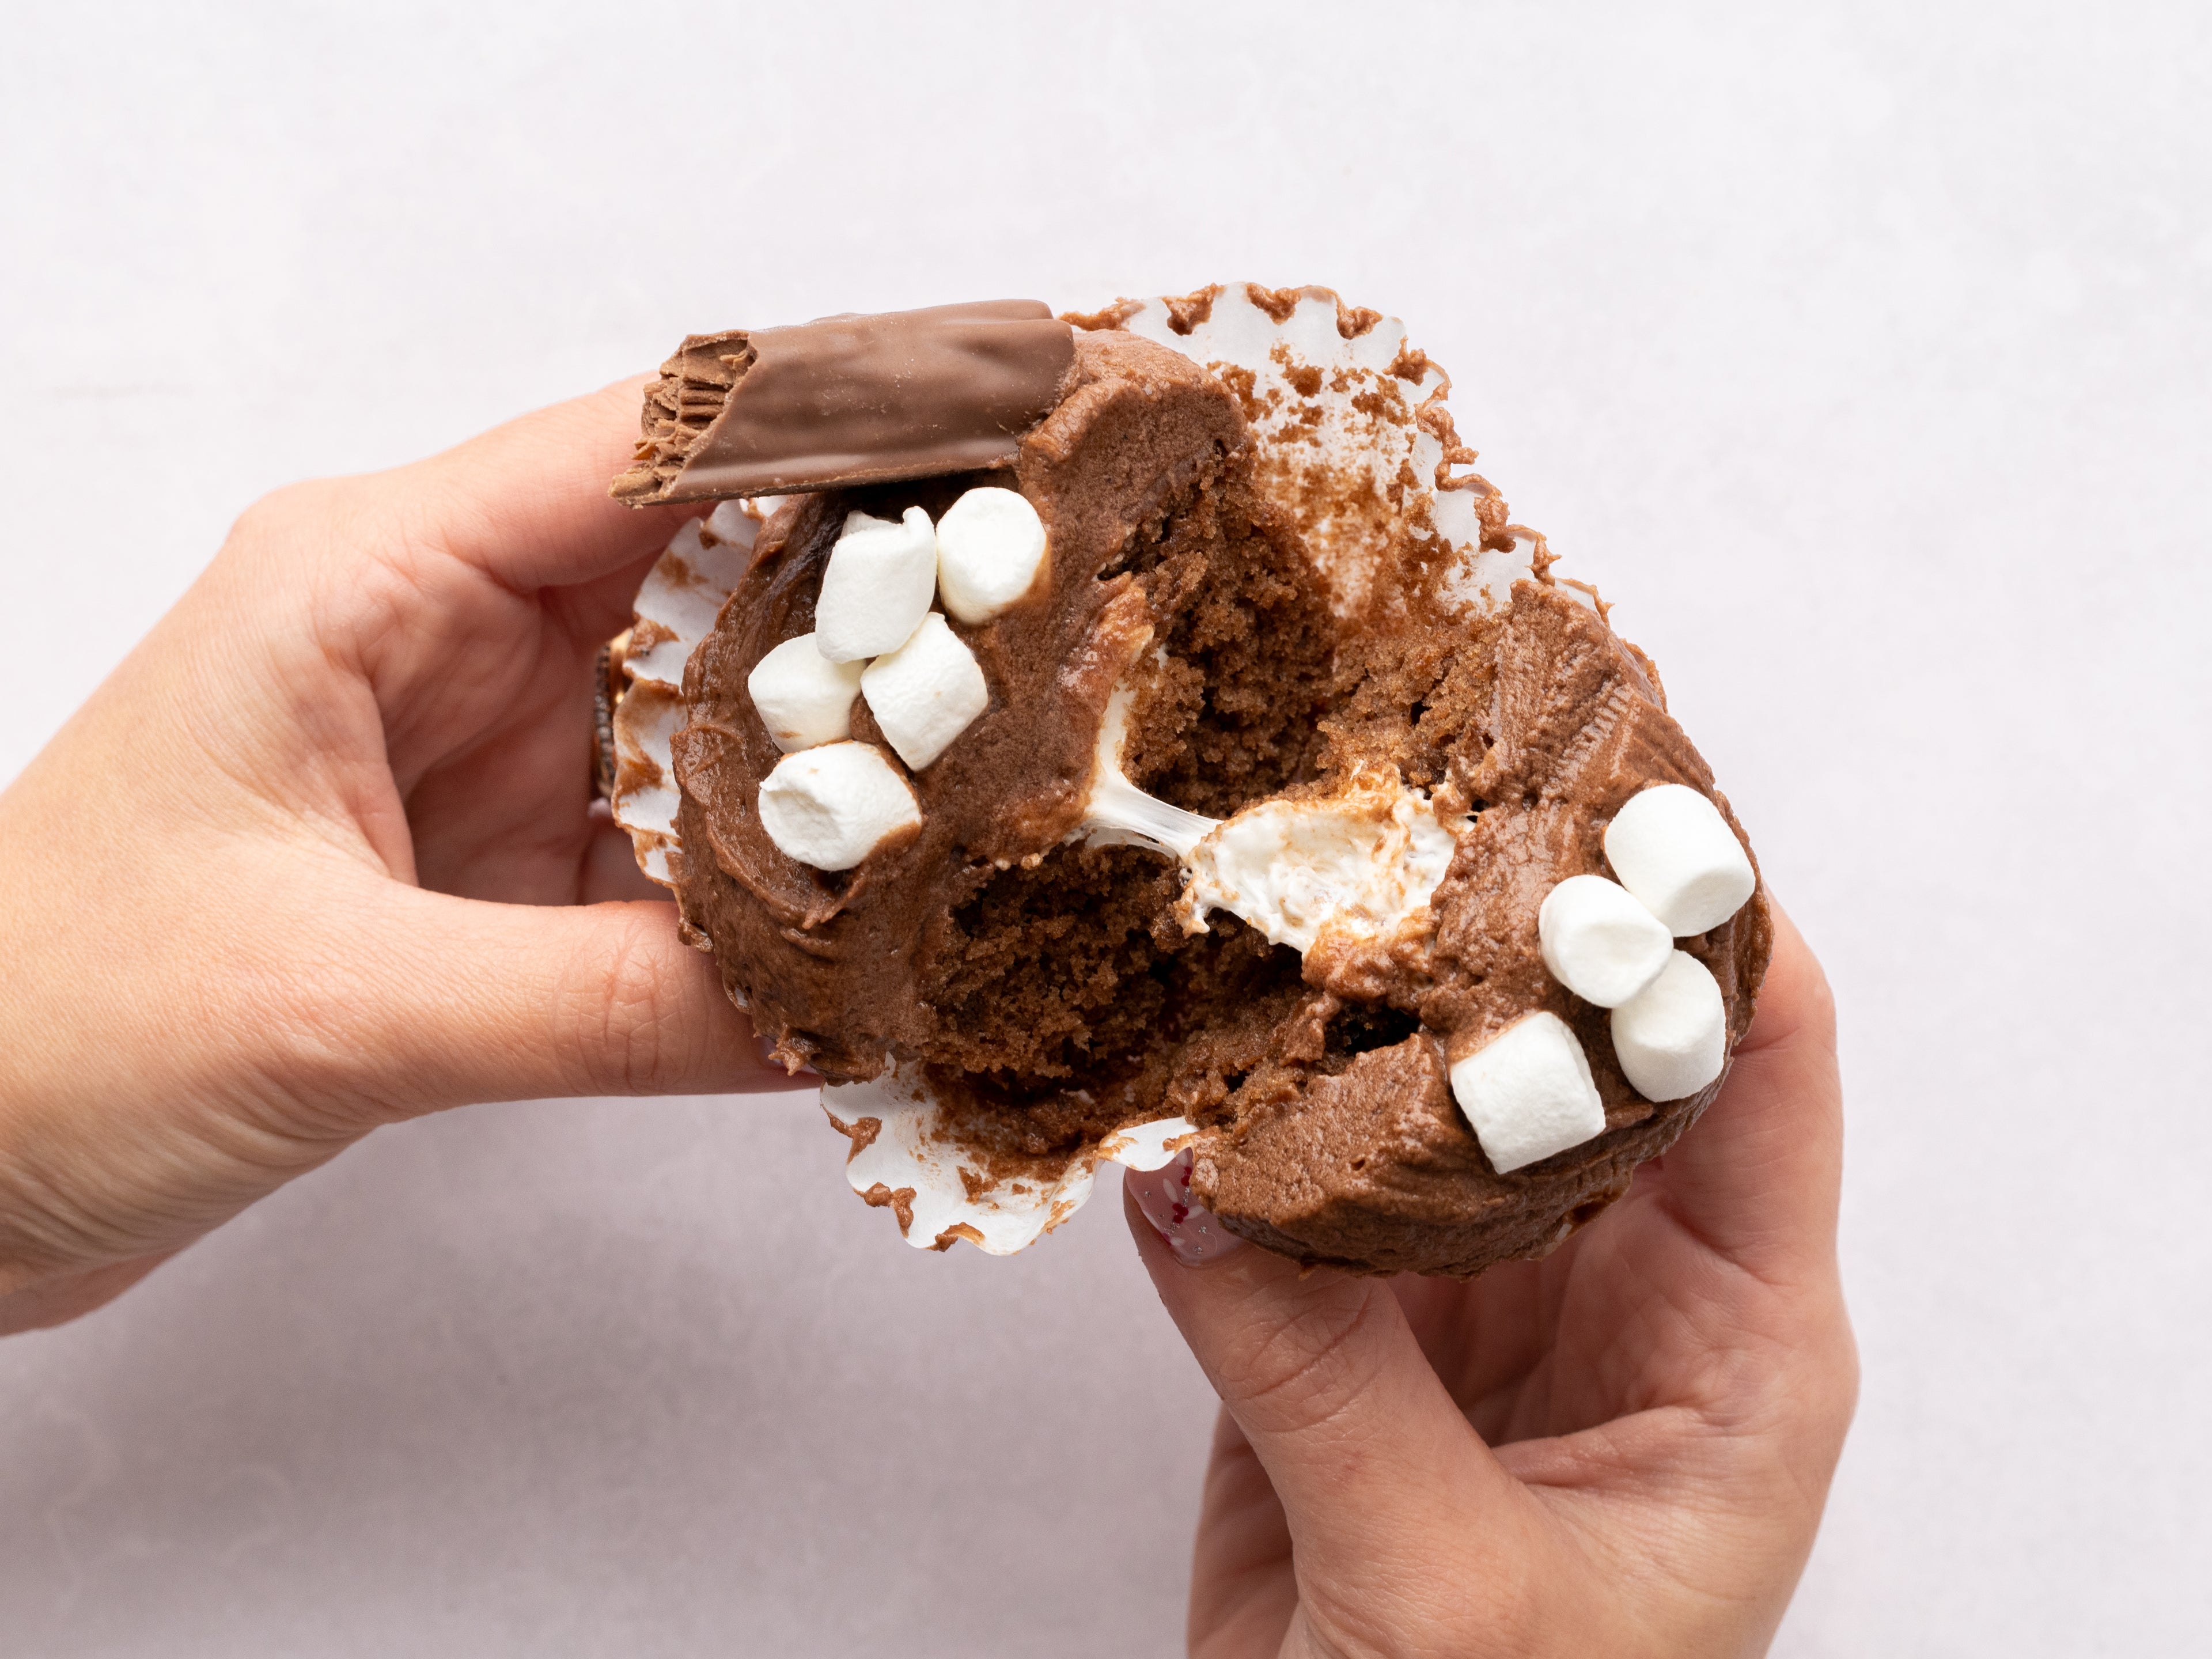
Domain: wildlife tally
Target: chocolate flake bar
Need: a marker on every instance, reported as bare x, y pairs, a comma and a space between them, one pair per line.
847, 400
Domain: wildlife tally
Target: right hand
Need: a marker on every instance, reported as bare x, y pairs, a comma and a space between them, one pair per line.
1621, 1449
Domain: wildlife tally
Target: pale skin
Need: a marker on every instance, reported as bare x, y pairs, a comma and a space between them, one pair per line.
1621, 1449
318, 857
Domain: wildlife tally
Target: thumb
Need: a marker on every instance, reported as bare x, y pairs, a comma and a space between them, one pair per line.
1388, 1492
1761, 1178
471, 1001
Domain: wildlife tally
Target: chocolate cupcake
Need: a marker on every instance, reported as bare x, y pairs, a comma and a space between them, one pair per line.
1139, 734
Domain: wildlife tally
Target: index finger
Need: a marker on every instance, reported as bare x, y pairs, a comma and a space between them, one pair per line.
527, 504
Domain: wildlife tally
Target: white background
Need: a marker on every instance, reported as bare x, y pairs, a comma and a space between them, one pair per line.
1860, 353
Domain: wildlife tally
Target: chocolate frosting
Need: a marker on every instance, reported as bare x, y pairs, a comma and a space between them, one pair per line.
847, 400
1374, 1168
837, 967
1046, 988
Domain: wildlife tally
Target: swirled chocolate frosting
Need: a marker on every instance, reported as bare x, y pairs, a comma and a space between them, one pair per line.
1045, 987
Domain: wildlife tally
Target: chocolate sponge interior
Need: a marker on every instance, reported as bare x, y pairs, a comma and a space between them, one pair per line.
1068, 997
1045, 987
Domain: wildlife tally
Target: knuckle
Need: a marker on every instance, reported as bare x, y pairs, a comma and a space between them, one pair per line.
1297, 1374
279, 519
633, 1038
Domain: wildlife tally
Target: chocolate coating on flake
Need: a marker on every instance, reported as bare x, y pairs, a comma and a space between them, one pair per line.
847, 400
1047, 990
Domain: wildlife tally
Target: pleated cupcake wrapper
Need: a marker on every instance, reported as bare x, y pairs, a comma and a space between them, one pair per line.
904, 1158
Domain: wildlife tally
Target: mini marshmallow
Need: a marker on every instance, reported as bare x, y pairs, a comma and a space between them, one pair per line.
1599, 941
924, 694
990, 544
1672, 849
832, 806
803, 697
1528, 1092
877, 586
1671, 1039
730, 522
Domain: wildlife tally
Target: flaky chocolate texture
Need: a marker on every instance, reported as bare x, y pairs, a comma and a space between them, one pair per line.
1046, 988
847, 400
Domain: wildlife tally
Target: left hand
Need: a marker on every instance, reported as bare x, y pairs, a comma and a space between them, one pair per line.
319, 855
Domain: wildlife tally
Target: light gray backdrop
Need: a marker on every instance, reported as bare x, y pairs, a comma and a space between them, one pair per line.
1859, 352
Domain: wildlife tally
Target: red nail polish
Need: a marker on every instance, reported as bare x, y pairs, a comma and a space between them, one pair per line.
1189, 1229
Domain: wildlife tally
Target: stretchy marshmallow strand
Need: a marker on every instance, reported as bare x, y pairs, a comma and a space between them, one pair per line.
1672, 1038
1528, 1092
1672, 849
877, 586
832, 806
1599, 941
990, 546
924, 694
804, 698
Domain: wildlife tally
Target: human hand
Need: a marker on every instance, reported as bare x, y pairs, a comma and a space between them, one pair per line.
1621, 1449
319, 855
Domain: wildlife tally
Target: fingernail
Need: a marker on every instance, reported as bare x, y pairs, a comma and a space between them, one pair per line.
1193, 1233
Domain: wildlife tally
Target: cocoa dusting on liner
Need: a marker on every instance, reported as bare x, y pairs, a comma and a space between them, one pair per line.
862, 1133
1191, 311
1053, 1003
1411, 364
899, 1201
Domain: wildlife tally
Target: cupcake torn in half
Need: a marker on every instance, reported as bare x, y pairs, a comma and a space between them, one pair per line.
1133, 735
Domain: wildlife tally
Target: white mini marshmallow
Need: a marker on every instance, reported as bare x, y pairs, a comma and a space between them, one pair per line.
1672, 1040
730, 522
1528, 1092
1599, 941
1672, 849
877, 586
803, 697
990, 544
831, 806
924, 694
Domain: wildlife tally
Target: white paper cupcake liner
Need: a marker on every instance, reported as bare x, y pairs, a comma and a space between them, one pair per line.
904, 1159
